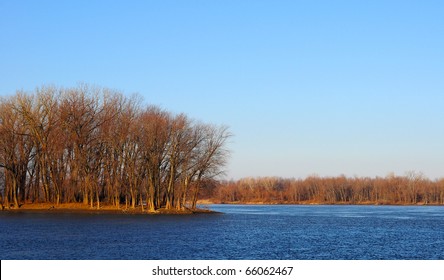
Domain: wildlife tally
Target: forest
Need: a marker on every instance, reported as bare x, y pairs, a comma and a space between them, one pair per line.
411, 189
94, 145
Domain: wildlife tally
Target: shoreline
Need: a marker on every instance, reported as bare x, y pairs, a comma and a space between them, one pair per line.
80, 208
105, 209
310, 203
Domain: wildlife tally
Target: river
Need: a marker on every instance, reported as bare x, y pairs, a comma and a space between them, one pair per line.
254, 232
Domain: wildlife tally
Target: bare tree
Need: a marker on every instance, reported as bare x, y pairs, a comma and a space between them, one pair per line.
95, 145
154, 126
212, 158
16, 151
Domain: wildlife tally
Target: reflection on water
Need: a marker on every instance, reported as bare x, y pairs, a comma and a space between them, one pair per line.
242, 232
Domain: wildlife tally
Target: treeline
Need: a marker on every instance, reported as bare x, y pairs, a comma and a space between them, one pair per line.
94, 145
413, 188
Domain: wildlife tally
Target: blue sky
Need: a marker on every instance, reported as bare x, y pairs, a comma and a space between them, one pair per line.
306, 87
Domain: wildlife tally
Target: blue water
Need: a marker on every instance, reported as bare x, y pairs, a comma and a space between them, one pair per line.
241, 232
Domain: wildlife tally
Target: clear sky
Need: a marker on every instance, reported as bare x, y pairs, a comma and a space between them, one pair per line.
306, 87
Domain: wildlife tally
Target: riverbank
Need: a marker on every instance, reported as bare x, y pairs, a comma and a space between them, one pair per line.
105, 209
363, 203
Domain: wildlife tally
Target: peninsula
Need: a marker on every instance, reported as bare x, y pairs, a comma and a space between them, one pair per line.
94, 147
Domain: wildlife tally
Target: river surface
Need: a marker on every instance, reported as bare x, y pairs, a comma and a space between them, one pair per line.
242, 232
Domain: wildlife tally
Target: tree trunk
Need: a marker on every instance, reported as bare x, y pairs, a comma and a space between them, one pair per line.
98, 200
14, 193
195, 195
185, 191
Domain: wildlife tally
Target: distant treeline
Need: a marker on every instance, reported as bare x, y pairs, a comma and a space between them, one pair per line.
413, 188
93, 145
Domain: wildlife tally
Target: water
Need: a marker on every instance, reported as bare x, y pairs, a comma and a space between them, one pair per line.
242, 232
